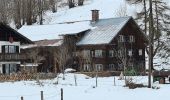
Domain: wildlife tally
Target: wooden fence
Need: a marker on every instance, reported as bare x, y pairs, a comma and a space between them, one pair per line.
43, 98
19, 77
101, 74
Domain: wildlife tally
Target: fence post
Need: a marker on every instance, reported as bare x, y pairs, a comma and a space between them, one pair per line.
96, 78
22, 98
75, 79
61, 93
114, 81
42, 97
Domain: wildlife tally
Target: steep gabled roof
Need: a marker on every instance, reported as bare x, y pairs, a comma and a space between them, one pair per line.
6, 32
54, 31
104, 31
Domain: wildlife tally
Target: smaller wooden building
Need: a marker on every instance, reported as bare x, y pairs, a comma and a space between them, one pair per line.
40, 57
10, 57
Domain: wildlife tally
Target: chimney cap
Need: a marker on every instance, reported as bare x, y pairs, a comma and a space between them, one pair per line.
95, 10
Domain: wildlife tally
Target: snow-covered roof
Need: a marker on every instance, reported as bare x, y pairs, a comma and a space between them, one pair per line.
52, 31
104, 31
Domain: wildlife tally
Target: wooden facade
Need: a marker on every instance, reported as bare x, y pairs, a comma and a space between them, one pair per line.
42, 49
10, 57
104, 57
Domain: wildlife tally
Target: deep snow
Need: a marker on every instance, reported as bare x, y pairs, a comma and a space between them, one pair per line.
85, 89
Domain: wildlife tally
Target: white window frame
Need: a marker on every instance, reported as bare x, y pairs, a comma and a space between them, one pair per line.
130, 52
131, 38
120, 53
98, 53
86, 67
12, 49
99, 67
111, 67
140, 52
6, 49
121, 38
111, 53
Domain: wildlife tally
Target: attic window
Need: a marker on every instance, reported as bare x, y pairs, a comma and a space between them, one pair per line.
131, 38
121, 38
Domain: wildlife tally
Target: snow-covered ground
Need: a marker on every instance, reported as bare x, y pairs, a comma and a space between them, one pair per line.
85, 89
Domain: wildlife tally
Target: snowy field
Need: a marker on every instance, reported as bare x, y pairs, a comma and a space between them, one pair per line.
85, 89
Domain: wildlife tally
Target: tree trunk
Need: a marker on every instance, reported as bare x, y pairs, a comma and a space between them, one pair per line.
80, 2
151, 30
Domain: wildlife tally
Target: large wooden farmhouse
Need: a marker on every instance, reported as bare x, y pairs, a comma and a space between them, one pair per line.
10, 41
112, 44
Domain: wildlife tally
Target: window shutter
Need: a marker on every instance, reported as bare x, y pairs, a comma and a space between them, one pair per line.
17, 49
3, 49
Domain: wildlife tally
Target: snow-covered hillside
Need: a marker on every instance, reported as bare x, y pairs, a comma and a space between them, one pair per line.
108, 9
85, 89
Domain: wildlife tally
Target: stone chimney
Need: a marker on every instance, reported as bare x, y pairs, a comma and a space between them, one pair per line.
95, 15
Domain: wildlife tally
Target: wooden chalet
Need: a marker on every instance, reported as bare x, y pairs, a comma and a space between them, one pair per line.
112, 44
10, 57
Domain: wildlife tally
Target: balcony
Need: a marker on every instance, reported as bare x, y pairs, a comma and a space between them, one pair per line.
11, 57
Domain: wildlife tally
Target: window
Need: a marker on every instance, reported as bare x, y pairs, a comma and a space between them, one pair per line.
140, 52
99, 67
111, 53
131, 38
130, 52
120, 54
121, 38
10, 49
111, 67
120, 66
86, 53
98, 53
6, 49
86, 67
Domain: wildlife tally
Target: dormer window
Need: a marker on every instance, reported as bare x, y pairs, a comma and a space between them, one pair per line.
121, 38
131, 38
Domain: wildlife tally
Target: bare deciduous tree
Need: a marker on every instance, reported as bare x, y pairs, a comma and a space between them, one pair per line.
71, 3
35, 57
122, 11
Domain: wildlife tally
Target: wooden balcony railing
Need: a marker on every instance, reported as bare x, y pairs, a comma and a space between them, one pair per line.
9, 57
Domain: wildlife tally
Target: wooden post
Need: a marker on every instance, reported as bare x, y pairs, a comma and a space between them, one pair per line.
42, 97
61, 93
96, 78
22, 98
114, 81
75, 79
